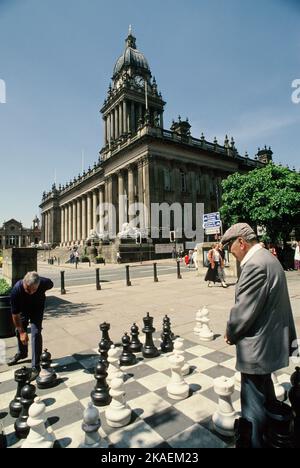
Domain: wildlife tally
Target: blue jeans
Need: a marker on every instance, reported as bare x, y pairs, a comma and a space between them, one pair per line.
256, 390
36, 340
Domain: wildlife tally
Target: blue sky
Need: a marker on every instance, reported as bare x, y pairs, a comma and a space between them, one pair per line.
228, 65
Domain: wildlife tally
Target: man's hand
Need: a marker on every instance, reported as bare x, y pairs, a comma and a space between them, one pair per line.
227, 340
24, 338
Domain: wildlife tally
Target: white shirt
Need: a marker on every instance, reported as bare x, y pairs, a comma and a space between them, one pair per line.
250, 253
297, 253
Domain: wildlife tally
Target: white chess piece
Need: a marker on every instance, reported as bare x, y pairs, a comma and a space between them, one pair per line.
113, 371
177, 388
91, 425
224, 417
279, 389
38, 436
118, 414
198, 326
178, 351
205, 333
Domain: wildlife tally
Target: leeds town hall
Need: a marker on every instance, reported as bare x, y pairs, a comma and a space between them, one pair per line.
140, 161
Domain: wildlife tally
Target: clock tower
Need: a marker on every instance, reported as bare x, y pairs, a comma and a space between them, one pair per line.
132, 100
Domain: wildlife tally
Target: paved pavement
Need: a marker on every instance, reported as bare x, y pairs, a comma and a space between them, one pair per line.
72, 322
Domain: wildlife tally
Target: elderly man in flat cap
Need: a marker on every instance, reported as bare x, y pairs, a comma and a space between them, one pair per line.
261, 324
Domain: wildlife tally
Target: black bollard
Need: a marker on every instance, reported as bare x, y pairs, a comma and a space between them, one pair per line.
98, 285
128, 282
62, 283
155, 272
178, 270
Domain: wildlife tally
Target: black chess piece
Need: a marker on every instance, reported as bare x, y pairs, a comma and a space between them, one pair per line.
149, 349
47, 377
167, 344
167, 321
27, 398
135, 345
21, 377
100, 395
294, 397
127, 358
104, 347
3, 441
104, 328
279, 425
243, 433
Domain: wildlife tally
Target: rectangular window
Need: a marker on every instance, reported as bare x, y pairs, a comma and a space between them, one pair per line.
183, 181
167, 180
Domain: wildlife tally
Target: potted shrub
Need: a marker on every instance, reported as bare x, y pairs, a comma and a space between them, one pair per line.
7, 329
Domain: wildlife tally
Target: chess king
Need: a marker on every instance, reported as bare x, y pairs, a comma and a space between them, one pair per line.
27, 305
261, 325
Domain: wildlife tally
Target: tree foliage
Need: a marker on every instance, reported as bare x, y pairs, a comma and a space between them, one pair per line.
268, 197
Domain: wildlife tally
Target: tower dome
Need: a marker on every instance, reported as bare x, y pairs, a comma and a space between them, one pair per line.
131, 57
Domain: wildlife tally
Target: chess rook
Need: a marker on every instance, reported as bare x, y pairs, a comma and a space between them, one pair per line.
177, 388
21, 377
224, 417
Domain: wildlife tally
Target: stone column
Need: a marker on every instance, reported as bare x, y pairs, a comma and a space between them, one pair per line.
141, 194
79, 220
105, 130
62, 237
116, 123
101, 202
120, 120
124, 118
131, 199
84, 218
89, 213
146, 181
122, 200
95, 209
132, 114
74, 218
49, 227
66, 224
108, 130
111, 227
70, 223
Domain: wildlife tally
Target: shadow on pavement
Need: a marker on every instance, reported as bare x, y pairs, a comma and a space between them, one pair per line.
57, 307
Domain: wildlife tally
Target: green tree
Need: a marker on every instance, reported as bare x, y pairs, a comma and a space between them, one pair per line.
268, 197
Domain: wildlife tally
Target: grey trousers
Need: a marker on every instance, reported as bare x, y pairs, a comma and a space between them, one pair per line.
36, 342
256, 390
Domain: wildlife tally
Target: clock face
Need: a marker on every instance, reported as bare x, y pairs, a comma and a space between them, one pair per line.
139, 80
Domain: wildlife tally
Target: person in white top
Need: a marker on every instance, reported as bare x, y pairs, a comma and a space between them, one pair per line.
297, 257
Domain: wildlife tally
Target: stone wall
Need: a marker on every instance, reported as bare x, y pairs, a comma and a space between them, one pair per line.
17, 262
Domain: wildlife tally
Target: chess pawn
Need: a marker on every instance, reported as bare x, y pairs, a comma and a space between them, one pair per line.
205, 333
238, 381
90, 426
224, 417
3, 442
100, 395
21, 377
167, 321
38, 436
135, 345
166, 345
294, 397
197, 329
113, 369
127, 358
27, 397
177, 388
279, 389
47, 377
118, 414
178, 345
103, 351
104, 328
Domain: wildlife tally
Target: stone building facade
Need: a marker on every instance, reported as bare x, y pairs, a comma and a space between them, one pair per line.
13, 234
141, 161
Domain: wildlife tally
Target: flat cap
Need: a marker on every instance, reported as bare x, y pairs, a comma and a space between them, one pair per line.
238, 230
